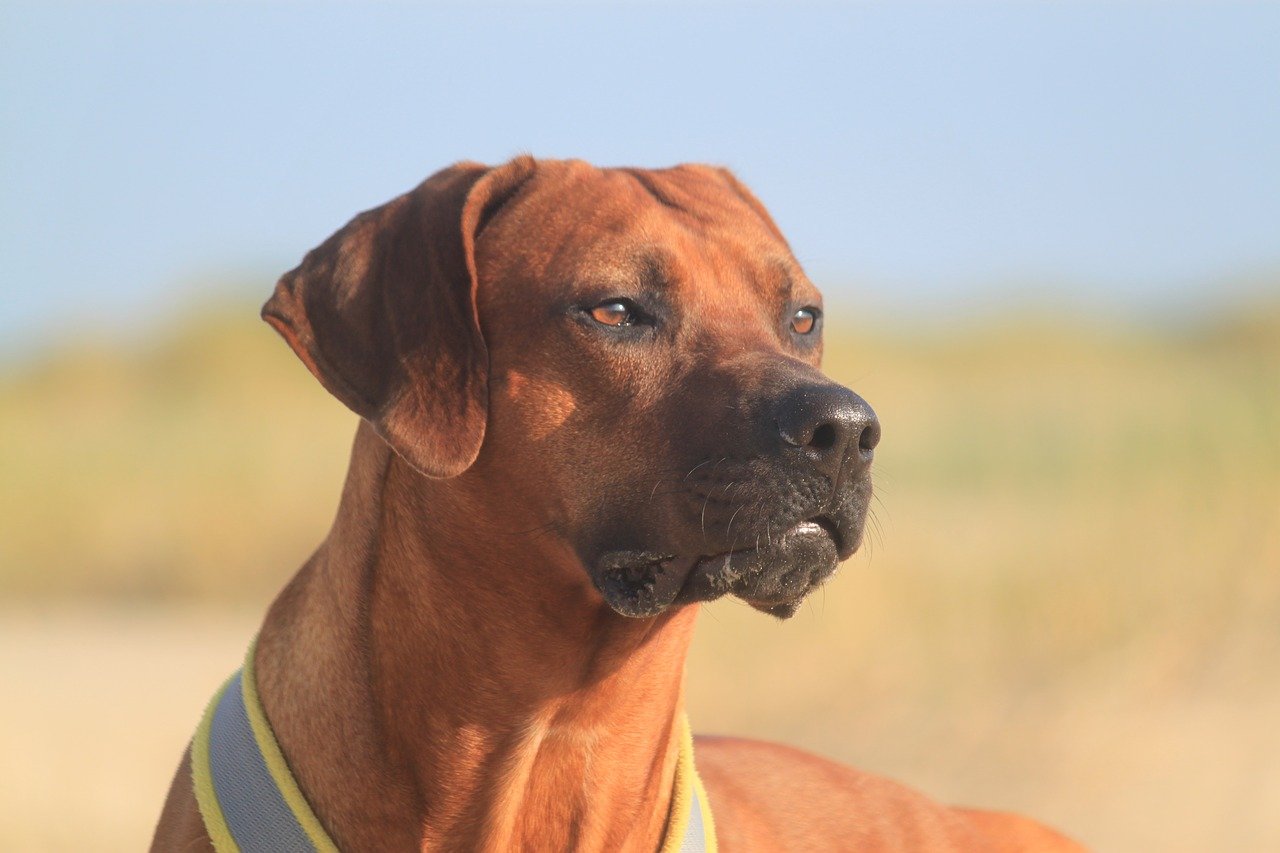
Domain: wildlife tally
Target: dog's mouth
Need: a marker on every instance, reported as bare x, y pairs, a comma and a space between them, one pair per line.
773, 575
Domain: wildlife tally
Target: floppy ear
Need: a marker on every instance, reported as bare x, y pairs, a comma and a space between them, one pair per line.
384, 314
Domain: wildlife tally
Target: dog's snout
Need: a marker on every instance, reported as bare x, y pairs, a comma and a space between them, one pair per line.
830, 421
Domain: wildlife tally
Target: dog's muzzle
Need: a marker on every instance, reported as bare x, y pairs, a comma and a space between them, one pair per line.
768, 529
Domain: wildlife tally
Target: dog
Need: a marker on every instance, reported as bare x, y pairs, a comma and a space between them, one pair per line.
590, 401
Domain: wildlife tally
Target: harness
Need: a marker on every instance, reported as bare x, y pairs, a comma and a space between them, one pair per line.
251, 803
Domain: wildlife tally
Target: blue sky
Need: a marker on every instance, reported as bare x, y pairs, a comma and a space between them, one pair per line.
918, 156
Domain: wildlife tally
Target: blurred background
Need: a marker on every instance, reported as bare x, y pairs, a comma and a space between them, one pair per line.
1049, 236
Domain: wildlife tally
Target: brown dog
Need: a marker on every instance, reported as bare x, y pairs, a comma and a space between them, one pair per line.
591, 400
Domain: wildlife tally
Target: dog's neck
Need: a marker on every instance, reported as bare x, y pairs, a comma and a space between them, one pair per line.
479, 697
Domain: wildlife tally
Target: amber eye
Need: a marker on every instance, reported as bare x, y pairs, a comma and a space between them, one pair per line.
615, 312
803, 321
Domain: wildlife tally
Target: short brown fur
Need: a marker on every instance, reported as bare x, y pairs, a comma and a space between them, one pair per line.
443, 674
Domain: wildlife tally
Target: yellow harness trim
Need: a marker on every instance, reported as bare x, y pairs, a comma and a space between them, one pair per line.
202, 776
279, 768
687, 782
708, 820
277, 765
206, 797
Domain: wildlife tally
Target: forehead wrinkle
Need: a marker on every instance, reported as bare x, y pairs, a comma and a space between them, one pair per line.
649, 268
774, 279
656, 267
789, 281
784, 285
649, 183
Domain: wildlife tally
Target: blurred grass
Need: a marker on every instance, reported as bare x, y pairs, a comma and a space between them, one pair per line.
1070, 603
202, 465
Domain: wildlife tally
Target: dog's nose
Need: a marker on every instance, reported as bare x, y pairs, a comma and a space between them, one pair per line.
830, 422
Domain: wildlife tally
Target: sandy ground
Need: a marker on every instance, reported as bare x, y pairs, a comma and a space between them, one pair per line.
100, 703
99, 706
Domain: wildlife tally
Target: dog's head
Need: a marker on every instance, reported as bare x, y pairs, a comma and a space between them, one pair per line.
633, 353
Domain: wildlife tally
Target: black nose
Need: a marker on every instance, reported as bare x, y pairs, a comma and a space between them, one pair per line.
830, 422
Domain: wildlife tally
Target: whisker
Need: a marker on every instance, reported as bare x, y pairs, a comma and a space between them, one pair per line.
876, 529
707, 500
670, 476
699, 465
539, 529
703, 519
729, 527
656, 483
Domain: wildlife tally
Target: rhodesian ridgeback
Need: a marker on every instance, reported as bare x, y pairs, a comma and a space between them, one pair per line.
590, 401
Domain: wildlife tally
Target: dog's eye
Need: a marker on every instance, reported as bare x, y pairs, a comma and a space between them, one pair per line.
804, 320
617, 312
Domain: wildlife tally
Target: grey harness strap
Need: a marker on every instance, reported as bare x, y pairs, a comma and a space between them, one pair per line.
254, 808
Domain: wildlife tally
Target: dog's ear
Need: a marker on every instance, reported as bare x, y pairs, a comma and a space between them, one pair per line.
384, 314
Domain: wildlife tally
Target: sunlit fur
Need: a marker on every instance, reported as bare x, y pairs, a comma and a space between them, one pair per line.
443, 673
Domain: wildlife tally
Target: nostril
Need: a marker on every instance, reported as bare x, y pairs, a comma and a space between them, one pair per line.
824, 437
827, 421
869, 437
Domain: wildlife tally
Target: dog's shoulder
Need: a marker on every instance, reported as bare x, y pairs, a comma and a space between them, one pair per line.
767, 796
